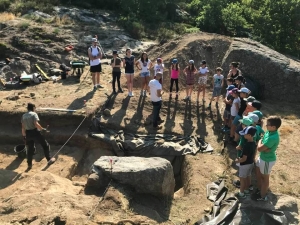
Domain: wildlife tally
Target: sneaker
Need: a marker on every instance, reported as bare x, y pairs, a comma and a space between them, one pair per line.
99, 86
209, 105
114, 92
247, 192
142, 93
251, 187
120, 91
240, 195
262, 199
51, 161
237, 183
145, 93
95, 88
131, 94
186, 98
157, 127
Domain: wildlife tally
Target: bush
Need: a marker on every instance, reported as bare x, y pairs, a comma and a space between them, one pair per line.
164, 34
23, 25
192, 30
135, 29
4, 5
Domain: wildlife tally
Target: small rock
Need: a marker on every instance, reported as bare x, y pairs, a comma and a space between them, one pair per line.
20, 92
32, 94
13, 97
106, 112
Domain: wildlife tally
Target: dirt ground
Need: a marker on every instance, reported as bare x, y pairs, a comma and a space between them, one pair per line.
130, 114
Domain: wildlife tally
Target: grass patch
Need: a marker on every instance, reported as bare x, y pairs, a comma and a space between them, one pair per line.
286, 130
24, 25
64, 20
291, 117
5, 16
56, 31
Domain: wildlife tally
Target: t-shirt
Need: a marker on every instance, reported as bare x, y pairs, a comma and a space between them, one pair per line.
218, 80
259, 132
233, 109
144, 65
228, 106
154, 86
242, 107
158, 68
175, 74
203, 71
248, 150
117, 63
28, 120
94, 52
270, 140
129, 64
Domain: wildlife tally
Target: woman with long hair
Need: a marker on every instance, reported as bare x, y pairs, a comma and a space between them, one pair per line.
174, 74
128, 64
234, 71
144, 64
190, 72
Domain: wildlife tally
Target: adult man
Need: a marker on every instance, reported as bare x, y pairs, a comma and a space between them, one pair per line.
116, 64
95, 55
155, 94
31, 131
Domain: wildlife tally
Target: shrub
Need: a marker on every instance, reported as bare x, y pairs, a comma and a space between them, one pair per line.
6, 16
56, 30
164, 34
4, 5
23, 25
192, 30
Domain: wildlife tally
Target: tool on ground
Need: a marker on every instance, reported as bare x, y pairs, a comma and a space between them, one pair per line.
44, 75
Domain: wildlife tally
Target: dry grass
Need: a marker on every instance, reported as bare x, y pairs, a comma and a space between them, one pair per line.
291, 117
5, 16
286, 130
64, 20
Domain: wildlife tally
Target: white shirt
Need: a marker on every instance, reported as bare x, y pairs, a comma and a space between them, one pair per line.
154, 86
233, 109
95, 52
203, 71
158, 69
144, 65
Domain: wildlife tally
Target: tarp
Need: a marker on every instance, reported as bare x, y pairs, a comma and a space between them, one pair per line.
229, 211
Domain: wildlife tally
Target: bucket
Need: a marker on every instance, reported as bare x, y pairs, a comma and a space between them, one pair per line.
21, 151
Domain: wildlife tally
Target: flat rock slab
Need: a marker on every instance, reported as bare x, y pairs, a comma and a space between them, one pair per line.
145, 175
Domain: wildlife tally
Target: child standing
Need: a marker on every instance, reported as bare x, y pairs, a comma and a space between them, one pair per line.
218, 82
190, 72
228, 102
234, 110
203, 73
174, 74
159, 68
239, 81
246, 161
267, 157
144, 64
128, 64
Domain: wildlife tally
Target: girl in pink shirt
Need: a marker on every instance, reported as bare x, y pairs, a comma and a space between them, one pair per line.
174, 74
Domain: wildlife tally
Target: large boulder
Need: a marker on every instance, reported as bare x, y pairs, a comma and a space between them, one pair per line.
275, 75
152, 176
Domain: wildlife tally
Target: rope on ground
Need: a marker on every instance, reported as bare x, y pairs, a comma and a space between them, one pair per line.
7, 199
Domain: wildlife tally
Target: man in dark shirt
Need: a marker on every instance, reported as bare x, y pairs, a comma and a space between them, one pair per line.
31, 131
246, 161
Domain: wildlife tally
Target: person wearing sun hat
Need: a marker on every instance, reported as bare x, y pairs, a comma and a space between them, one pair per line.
226, 114
246, 159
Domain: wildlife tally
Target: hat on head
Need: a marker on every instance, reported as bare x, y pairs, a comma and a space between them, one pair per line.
230, 87
203, 62
256, 104
239, 77
248, 130
249, 99
174, 61
115, 52
246, 121
159, 60
254, 117
94, 40
258, 113
234, 90
244, 90
191, 61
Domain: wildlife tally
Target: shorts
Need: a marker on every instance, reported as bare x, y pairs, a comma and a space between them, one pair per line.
238, 129
217, 91
226, 115
96, 69
236, 120
245, 170
264, 167
202, 80
128, 74
145, 74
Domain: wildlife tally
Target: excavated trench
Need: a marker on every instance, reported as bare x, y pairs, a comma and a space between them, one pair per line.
78, 154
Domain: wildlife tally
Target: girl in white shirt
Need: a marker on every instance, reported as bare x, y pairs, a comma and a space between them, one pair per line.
159, 68
202, 81
144, 64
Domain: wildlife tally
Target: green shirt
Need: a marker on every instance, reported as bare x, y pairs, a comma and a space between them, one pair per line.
270, 140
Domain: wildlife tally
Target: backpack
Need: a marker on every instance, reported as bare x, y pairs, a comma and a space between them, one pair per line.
90, 48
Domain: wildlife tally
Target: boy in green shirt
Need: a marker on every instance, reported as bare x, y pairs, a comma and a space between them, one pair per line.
267, 147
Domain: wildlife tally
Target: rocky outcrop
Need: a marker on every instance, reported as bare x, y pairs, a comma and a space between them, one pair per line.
277, 75
152, 176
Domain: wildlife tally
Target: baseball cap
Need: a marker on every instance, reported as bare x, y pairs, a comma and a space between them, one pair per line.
191, 61
246, 121
245, 90
239, 77
256, 104
234, 90
258, 113
248, 130
254, 117
174, 61
249, 99
159, 60
115, 52
94, 40
230, 87
203, 62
